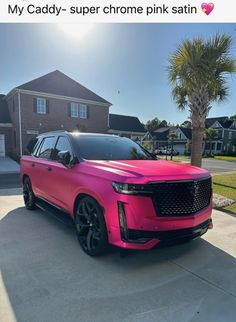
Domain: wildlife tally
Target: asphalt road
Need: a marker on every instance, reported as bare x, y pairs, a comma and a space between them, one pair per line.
215, 166
45, 276
9, 180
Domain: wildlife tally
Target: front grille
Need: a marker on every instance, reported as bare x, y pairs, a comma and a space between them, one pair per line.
181, 198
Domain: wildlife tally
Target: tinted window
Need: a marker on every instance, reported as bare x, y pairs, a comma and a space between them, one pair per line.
31, 146
110, 148
46, 148
63, 144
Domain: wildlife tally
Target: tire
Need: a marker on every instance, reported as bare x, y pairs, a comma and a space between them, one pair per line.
28, 195
91, 227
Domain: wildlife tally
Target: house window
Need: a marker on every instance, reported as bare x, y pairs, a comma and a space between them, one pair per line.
74, 110
83, 111
218, 147
230, 135
13, 105
41, 106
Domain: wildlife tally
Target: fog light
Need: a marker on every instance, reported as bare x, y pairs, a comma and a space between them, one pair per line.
122, 220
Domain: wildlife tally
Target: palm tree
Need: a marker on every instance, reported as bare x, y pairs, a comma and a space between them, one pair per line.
197, 73
209, 135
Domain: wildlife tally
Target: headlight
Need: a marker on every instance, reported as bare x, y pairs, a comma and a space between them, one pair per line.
132, 189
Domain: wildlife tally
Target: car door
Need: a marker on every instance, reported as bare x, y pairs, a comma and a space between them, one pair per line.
40, 167
60, 183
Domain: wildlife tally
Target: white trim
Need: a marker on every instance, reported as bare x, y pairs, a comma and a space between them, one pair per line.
3, 153
20, 129
183, 136
60, 97
233, 125
5, 124
125, 132
74, 110
146, 134
83, 107
216, 127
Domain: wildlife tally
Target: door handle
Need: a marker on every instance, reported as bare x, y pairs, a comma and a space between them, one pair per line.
32, 165
49, 168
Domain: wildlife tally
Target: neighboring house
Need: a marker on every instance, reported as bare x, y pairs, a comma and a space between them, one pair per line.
223, 143
5, 128
52, 102
226, 133
128, 126
160, 138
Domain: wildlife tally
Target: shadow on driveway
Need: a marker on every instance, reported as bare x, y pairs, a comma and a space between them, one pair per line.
47, 277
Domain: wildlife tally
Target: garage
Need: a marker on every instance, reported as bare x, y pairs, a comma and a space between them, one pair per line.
2, 145
179, 148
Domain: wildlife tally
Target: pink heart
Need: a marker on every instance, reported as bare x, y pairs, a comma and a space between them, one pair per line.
207, 7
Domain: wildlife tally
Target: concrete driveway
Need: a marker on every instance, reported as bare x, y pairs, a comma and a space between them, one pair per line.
46, 277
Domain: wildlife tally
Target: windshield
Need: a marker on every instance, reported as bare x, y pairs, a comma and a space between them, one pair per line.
110, 148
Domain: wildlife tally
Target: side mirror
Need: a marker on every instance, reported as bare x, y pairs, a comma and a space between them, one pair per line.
64, 157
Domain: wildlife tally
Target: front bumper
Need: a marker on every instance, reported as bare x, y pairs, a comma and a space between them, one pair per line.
142, 236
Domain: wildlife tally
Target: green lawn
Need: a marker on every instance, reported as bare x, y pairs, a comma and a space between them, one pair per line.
225, 185
225, 158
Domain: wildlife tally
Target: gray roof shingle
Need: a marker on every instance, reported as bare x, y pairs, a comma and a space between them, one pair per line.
125, 123
60, 84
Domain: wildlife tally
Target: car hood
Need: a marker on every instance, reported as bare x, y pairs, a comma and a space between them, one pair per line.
144, 171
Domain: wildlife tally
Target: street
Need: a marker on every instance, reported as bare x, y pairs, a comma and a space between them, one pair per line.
45, 276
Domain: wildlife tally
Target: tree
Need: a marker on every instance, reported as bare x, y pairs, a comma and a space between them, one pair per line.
209, 135
163, 124
152, 125
171, 137
233, 117
186, 124
197, 74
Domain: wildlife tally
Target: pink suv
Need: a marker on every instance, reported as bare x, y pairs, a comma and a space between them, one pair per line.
116, 192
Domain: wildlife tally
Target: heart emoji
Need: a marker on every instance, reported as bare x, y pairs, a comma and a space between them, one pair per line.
207, 7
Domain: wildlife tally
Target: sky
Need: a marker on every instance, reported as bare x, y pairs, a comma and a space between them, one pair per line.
124, 63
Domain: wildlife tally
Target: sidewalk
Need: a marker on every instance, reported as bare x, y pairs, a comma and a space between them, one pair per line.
7, 165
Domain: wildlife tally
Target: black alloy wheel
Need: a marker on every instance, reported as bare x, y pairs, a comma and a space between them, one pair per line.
28, 195
91, 227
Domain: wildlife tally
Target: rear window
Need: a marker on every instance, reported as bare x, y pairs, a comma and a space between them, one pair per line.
110, 148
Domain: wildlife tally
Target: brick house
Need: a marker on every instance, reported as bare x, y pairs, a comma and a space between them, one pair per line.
5, 128
51, 102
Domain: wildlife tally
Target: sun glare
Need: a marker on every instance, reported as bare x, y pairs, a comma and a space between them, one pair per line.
76, 31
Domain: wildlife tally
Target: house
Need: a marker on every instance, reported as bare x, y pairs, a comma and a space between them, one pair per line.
224, 142
226, 134
160, 138
51, 102
5, 128
128, 126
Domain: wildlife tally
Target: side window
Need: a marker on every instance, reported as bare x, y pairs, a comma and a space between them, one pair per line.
63, 144
31, 146
46, 148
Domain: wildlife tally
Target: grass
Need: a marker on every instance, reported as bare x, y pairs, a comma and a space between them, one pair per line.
225, 185
224, 158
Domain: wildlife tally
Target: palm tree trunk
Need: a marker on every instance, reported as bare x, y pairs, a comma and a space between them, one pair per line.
196, 150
